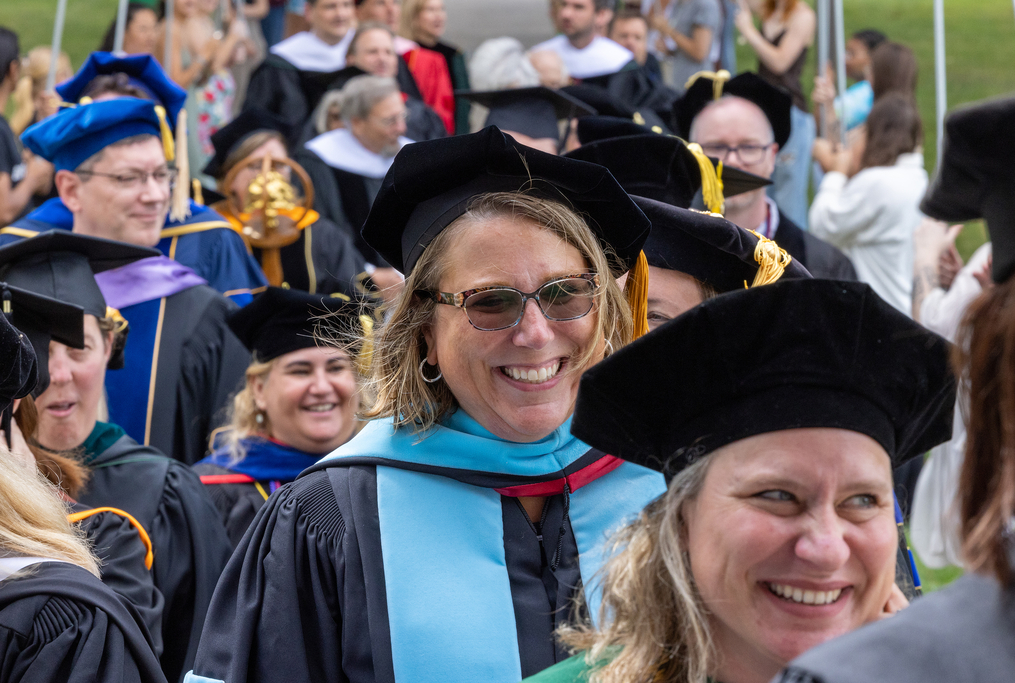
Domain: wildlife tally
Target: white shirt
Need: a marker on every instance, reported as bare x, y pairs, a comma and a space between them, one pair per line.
307, 52
871, 217
341, 149
600, 57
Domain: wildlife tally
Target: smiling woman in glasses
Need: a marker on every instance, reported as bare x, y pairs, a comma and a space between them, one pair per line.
451, 535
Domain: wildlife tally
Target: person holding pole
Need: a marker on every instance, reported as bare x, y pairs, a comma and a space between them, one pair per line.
787, 30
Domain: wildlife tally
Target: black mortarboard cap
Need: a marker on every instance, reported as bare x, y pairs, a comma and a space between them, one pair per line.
18, 366
660, 167
704, 246
531, 111
793, 354
606, 104
279, 321
773, 101
976, 179
246, 123
431, 183
42, 319
61, 265
593, 128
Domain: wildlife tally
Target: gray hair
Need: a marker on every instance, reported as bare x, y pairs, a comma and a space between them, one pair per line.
361, 94
331, 100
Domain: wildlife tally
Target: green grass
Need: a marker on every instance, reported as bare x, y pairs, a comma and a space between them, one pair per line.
85, 26
935, 579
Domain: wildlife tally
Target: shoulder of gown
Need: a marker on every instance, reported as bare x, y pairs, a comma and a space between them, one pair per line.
122, 553
277, 611
237, 503
58, 623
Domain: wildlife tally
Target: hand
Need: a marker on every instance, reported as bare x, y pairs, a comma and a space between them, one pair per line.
389, 281
744, 18
38, 174
896, 602
49, 105
824, 90
931, 239
949, 262
19, 447
983, 275
831, 156
658, 22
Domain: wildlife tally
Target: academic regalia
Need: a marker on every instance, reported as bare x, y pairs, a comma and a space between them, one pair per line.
278, 322
410, 554
822, 259
125, 555
606, 104
189, 543
455, 60
635, 86
344, 166
774, 102
60, 623
323, 258
537, 112
433, 78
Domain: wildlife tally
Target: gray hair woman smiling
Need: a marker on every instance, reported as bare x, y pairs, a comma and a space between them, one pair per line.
456, 528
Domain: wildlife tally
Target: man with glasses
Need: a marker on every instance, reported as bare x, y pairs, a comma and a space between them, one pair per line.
745, 131
359, 155
182, 361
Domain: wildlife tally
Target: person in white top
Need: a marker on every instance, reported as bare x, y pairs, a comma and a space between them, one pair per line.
872, 215
585, 54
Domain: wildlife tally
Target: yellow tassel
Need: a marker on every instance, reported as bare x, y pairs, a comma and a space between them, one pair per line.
711, 180
165, 132
198, 191
636, 291
366, 352
180, 206
114, 315
718, 79
772, 260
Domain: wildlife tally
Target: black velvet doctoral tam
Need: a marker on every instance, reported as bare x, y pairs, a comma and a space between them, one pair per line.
793, 354
774, 102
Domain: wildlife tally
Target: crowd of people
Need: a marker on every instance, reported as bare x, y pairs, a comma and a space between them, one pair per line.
331, 352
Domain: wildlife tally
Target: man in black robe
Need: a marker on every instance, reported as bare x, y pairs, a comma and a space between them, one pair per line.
184, 362
745, 130
298, 71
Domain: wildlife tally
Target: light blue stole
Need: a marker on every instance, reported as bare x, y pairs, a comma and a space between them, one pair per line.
450, 610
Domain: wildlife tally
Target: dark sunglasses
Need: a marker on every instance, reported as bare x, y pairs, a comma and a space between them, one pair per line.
498, 308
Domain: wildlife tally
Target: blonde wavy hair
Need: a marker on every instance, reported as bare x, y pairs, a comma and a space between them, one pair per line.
653, 624
33, 519
395, 382
34, 70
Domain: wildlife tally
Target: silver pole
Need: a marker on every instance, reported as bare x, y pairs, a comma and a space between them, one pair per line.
54, 57
940, 69
167, 21
823, 29
121, 27
840, 66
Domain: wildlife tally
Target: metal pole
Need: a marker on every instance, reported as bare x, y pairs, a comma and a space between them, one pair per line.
823, 29
54, 57
940, 70
840, 66
121, 27
167, 21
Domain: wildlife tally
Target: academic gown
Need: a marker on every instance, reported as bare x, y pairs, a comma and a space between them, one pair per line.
122, 549
459, 80
189, 543
377, 565
818, 256
322, 259
239, 489
634, 86
182, 364
203, 241
58, 623
338, 164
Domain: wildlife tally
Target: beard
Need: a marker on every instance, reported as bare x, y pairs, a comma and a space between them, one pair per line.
391, 149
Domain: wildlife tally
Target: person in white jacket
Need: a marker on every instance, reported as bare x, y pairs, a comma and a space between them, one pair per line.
872, 215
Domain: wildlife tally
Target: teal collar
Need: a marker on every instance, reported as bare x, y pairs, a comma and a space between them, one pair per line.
104, 435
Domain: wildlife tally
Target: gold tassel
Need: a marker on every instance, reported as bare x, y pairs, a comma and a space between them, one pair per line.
366, 352
198, 191
636, 291
114, 315
718, 79
180, 206
711, 179
166, 133
772, 260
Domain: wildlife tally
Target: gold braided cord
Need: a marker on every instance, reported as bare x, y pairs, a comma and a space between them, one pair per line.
772, 260
366, 352
636, 291
711, 182
718, 79
166, 134
114, 315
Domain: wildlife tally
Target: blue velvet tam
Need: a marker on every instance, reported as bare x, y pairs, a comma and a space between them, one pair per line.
73, 135
142, 71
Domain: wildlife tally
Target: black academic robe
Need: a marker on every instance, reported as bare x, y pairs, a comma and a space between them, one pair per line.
121, 552
303, 597
965, 632
286, 91
818, 256
323, 260
355, 194
200, 365
633, 86
237, 503
459, 81
190, 545
58, 623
